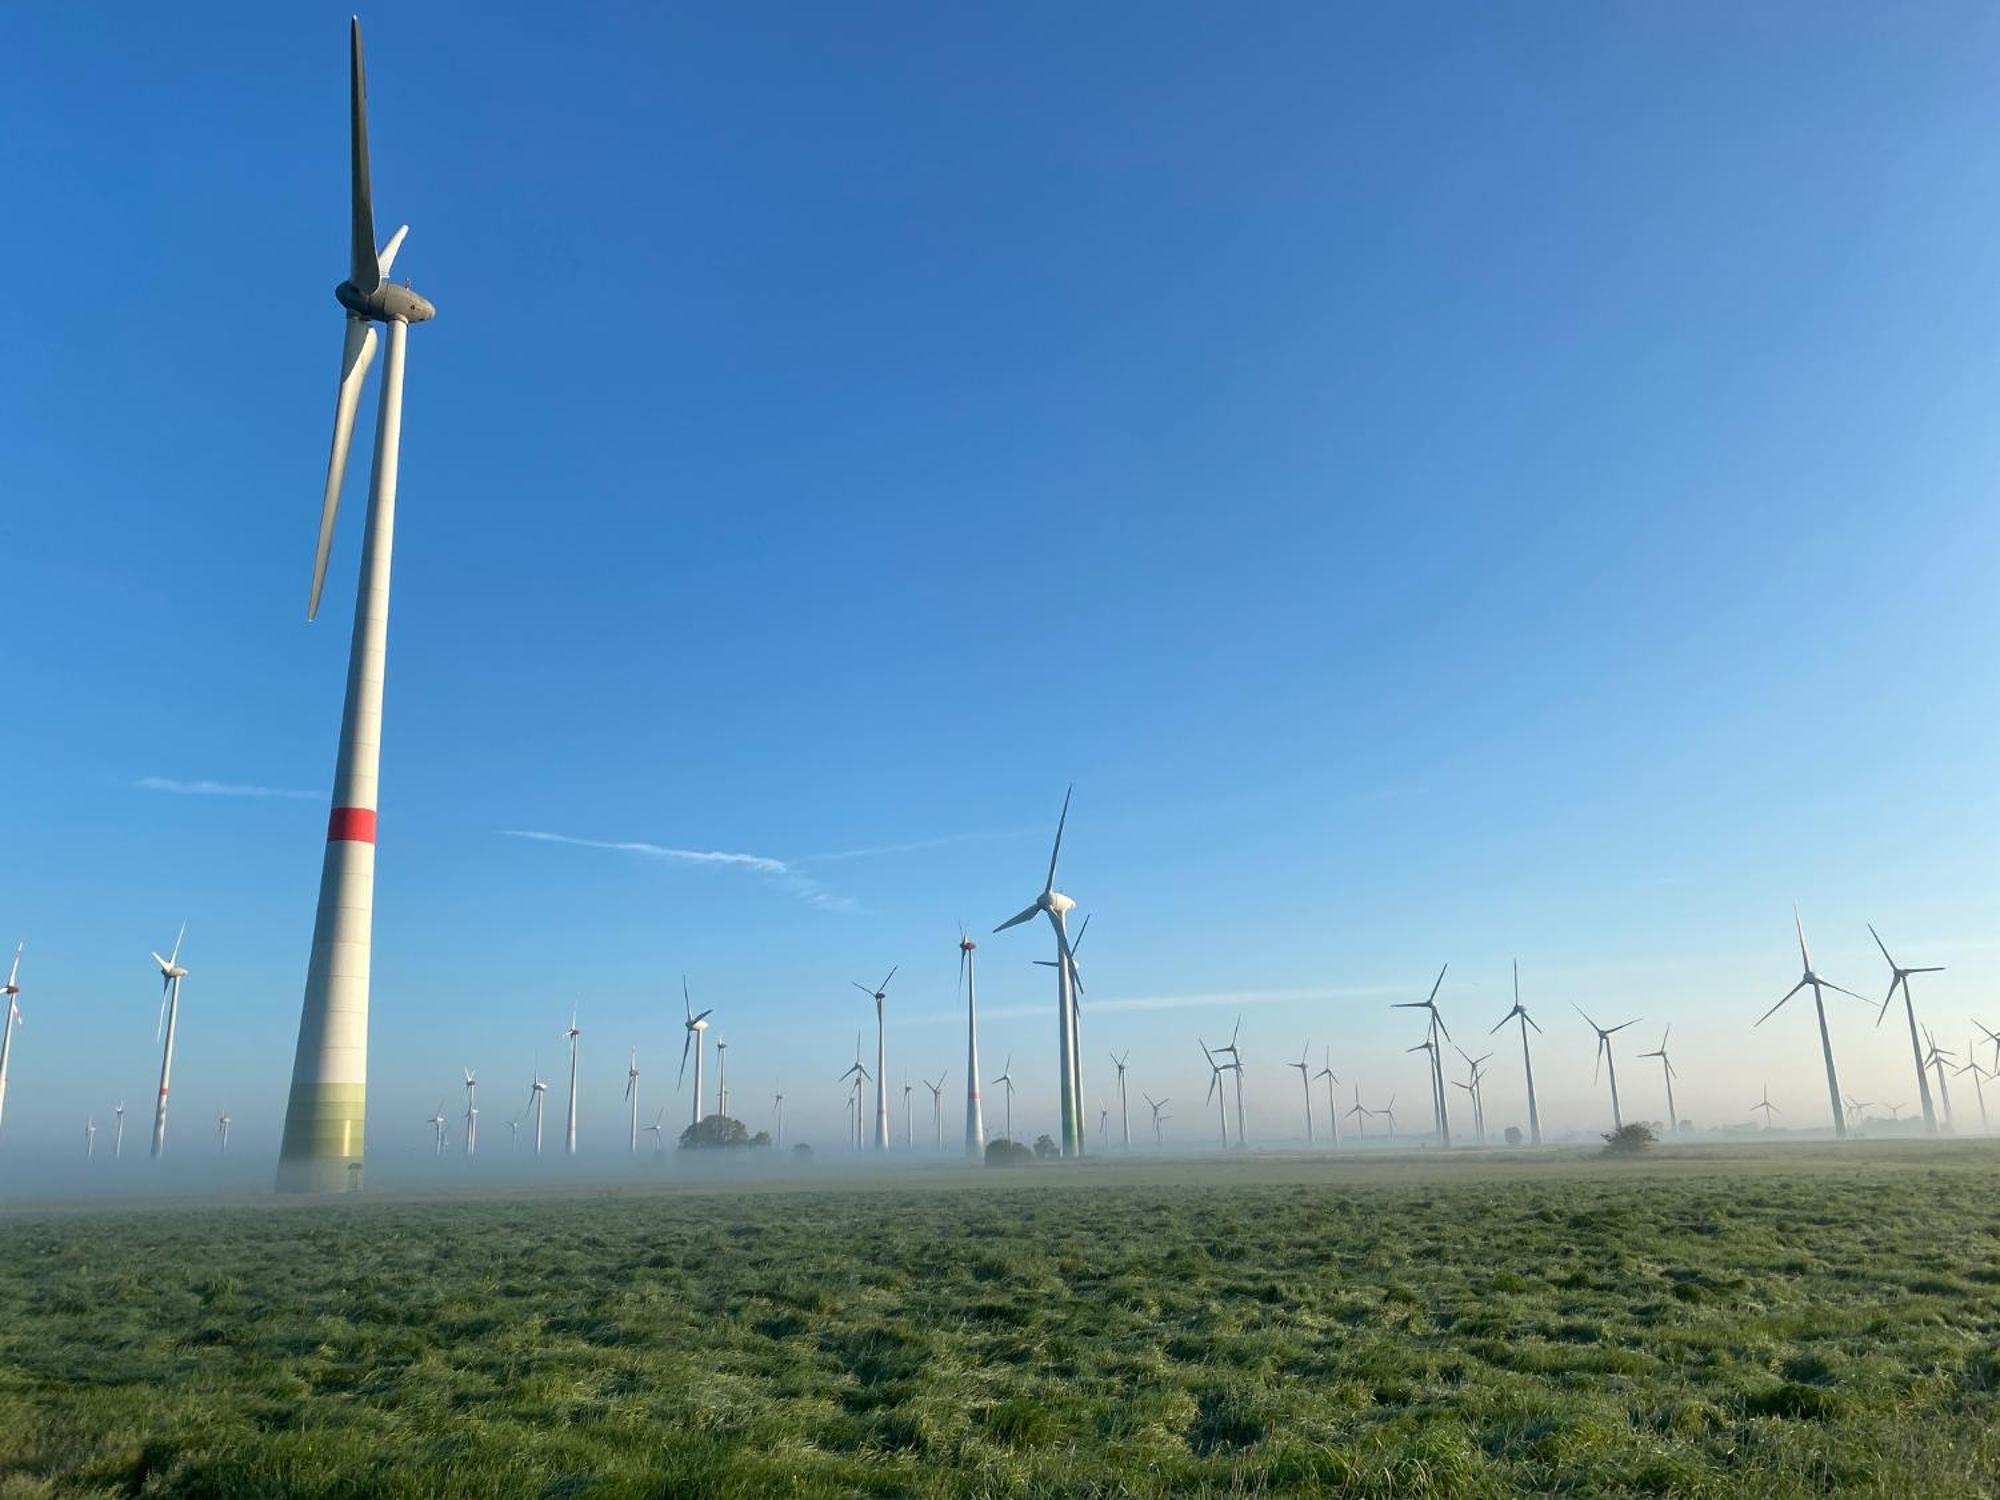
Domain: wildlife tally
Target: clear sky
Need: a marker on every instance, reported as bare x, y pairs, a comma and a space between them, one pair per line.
1446, 483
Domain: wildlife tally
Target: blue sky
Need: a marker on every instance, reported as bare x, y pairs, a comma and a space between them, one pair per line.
1444, 484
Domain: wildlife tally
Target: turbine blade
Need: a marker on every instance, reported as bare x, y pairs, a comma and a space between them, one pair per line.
1779, 1006
1056, 853
687, 1042
365, 271
388, 256
1882, 945
1019, 918
1896, 980
175, 956
886, 978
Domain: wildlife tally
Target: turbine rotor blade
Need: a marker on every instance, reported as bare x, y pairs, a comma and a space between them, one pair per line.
1019, 918
365, 270
1056, 853
1780, 1005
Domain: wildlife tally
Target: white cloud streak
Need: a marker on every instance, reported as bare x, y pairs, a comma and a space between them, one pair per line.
215, 788
785, 872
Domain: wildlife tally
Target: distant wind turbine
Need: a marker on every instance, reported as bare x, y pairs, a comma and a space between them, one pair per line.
1979, 1077
1006, 1080
535, 1092
118, 1137
471, 1113
975, 1119
1607, 1061
632, 1097
1235, 1065
881, 1060
12, 990
1812, 981
658, 1127
1305, 1083
222, 1134
1435, 1032
1156, 1105
1899, 978
1332, 1118
171, 975
1359, 1114
569, 1133
937, 1109
1124, 1114
1667, 1073
436, 1123
1053, 904
1216, 1091
778, 1122
693, 1026
1767, 1106
89, 1137
1936, 1058
1527, 1063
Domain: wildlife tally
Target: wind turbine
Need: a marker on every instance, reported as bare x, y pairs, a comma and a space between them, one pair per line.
1215, 1090
171, 975
722, 1079
12, 990
471, 1113
1475, 1088
1527, 1063
1388, 1110
659, 1130
1899, 978
1667, 1073
909, 1117
937, 1108
975, 1120
1056, 907
694, 1026
89, 1137
1429, 1046
569, 1132
325, 1118
1332, 1118
632, 1096
778, 1126
1936, 1058
1305, 1082
1895, 1112
881, 1060
1857, 1110
1605, 1059
118, 1137
1006, 1079
535, 1092
1124, 1115
1156, 1105
859, 1075
1979, 1077
1435, 1030
1811, 980
1235, 1065
513, 1135
436, 1122
222, 1133
1360, 1115
1994, 1038
1767, 1106
1104, 1127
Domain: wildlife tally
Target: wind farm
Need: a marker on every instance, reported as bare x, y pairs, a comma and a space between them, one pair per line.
1381, 482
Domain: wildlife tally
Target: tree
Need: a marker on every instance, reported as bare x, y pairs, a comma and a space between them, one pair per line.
1046, 1148
712, 1132
1513, 1135
802, 1152
1002, 1152
761, 1138
1628, 1140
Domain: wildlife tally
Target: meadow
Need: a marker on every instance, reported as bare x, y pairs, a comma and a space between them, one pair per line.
1800, 1321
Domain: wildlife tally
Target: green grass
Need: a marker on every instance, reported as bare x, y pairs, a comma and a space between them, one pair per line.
1792, 1323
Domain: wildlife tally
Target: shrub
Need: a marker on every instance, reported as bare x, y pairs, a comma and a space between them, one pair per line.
1628, 1140
1513, 1135
1006, 1153
1046, 1148
714, 1131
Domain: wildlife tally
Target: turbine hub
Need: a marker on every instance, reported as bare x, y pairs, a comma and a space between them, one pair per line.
388, 303
1058, 902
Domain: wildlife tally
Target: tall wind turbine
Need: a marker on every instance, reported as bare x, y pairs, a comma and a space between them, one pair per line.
881, 1060
859, 1076
118, 1136
436, 1123
89, 1137
1332, 1117
1156, 1105
693, 1026
1667, 1073
1899, 978
937, 1108
1605, 1059
569, 1133
1812, 980
1053, 904
1305, 1082
632, 1096
1360, 1115
658, 1127
471, 1113
1475, 1088
1979, 1077
778, 1122
1767, 1106
222, 1131
909, 1117
1235, 1065
722, 1079
1006, 1080
12, 990
1527, 1063
171, 975
1216, 1091
1936, 1058
975, 1119
1433, 1032
1124, 1115
326, 1114
536, 1091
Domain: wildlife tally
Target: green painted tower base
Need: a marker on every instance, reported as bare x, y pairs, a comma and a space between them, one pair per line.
325, 1125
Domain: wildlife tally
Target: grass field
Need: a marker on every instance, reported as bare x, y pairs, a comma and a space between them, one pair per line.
1801, 1321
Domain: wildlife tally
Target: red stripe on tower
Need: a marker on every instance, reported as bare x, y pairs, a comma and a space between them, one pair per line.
352, 824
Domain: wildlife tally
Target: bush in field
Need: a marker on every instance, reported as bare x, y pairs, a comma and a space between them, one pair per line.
1513, 1135
1046, 1148
1629, 1140
715, 1131
1006, 1153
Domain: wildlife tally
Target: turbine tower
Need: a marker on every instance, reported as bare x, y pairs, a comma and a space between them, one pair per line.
436, 1123
937, 1108
632, 1096
12, 990
1899, 978
1235, 1065
1767, 1106
1667, 1072
1809, 978
1217, 1092
1156, 1105
1305, 1082
1332, 1119
778, 1122
1527, 1063
118, 1135
535, 1092
1006, 1080
1053, 904
975, 1119
569, 1134
1360, 1114
222, 1132
1606, 1060
693, 1026
471, 1114
881, 1060
89, 1137
171, 975
722, 1079
1124, 1116
325, 1117
1936, 1058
